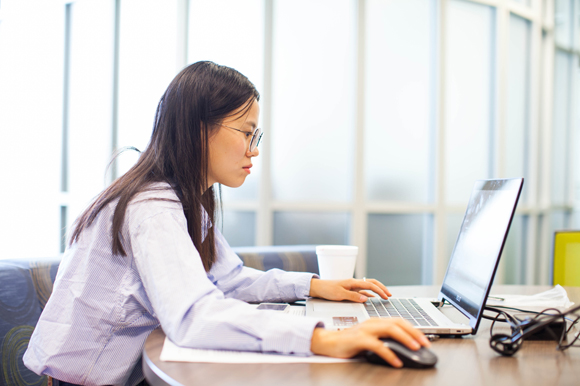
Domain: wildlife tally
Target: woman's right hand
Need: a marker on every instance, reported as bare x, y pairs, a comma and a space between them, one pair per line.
365, 336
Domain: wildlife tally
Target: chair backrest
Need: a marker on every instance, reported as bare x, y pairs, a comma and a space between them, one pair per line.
567, 258
25, 286
298, 258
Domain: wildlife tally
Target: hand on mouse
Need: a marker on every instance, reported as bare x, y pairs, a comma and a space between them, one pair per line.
347, 289
365, 336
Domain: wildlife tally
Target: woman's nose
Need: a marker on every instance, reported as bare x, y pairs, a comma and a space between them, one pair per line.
253, 153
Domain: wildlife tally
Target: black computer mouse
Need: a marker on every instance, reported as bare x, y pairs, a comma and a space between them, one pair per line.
421, 358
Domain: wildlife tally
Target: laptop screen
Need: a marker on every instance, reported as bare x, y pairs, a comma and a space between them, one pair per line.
474, 260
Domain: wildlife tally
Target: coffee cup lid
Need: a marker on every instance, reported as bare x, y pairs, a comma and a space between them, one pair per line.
337, 249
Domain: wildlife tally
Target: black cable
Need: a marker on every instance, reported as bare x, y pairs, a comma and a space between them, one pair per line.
494, 318
571, 344
520, 329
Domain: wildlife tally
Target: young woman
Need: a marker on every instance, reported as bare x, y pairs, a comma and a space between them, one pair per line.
146, 254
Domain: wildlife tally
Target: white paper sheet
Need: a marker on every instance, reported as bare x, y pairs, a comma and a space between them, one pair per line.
174, 353
555, 297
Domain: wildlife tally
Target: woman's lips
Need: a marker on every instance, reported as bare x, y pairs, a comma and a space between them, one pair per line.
247, 168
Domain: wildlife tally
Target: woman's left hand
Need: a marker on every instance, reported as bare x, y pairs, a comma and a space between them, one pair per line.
349, 289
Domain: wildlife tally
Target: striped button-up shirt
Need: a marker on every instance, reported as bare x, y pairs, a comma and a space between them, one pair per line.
103, 307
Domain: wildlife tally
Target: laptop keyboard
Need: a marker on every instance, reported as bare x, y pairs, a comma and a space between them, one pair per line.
407, 309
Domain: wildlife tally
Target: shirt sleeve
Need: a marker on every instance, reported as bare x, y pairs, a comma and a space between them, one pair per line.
252, 285
193, 312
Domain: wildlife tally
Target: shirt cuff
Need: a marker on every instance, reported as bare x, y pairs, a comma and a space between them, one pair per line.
295, 340
301, 282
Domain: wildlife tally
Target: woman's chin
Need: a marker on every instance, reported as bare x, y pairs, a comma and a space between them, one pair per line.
233, 184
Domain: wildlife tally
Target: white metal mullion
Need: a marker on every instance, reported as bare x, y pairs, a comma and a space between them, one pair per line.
492, 3
566, 50
382, 207
502, 65
440, 220
543, 257
265, 216
524, 11
310, 206
534, 108
182, 23
358, 231
399, 207
574, 120
241, 206
574, 58
115, 96
548, 16
501, 100
568, 193
65, 194
571, 139
385, 207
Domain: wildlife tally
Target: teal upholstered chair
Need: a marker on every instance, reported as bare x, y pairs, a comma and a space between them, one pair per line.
25, 286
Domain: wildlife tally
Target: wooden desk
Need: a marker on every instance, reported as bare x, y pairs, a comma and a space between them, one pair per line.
462, 361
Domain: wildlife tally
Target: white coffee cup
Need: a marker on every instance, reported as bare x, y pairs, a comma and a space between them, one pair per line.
336, 262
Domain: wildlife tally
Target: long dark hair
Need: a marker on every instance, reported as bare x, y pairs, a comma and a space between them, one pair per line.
194, 104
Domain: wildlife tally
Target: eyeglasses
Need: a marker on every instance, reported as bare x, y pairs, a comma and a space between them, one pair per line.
256, 136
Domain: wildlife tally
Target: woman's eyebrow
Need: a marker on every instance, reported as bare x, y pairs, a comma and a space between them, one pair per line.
251, 123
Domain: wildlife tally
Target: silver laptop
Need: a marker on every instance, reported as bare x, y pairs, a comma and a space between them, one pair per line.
469, 276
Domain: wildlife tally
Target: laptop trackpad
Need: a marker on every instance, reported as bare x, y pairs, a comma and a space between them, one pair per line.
337, 308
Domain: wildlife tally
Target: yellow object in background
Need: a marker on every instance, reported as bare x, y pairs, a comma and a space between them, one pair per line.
567, 258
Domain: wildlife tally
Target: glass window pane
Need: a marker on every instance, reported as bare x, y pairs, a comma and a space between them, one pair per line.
313, 100
538, 269
239, 228
563, 23
31, 111
297, 228
469, 112
453, 225
514, 259
557, 222
400, 248
576, 219
231, 33
542, 151
90, 103
576, 18
148, 61
399, 86
517, 124
560, 130
576, 136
